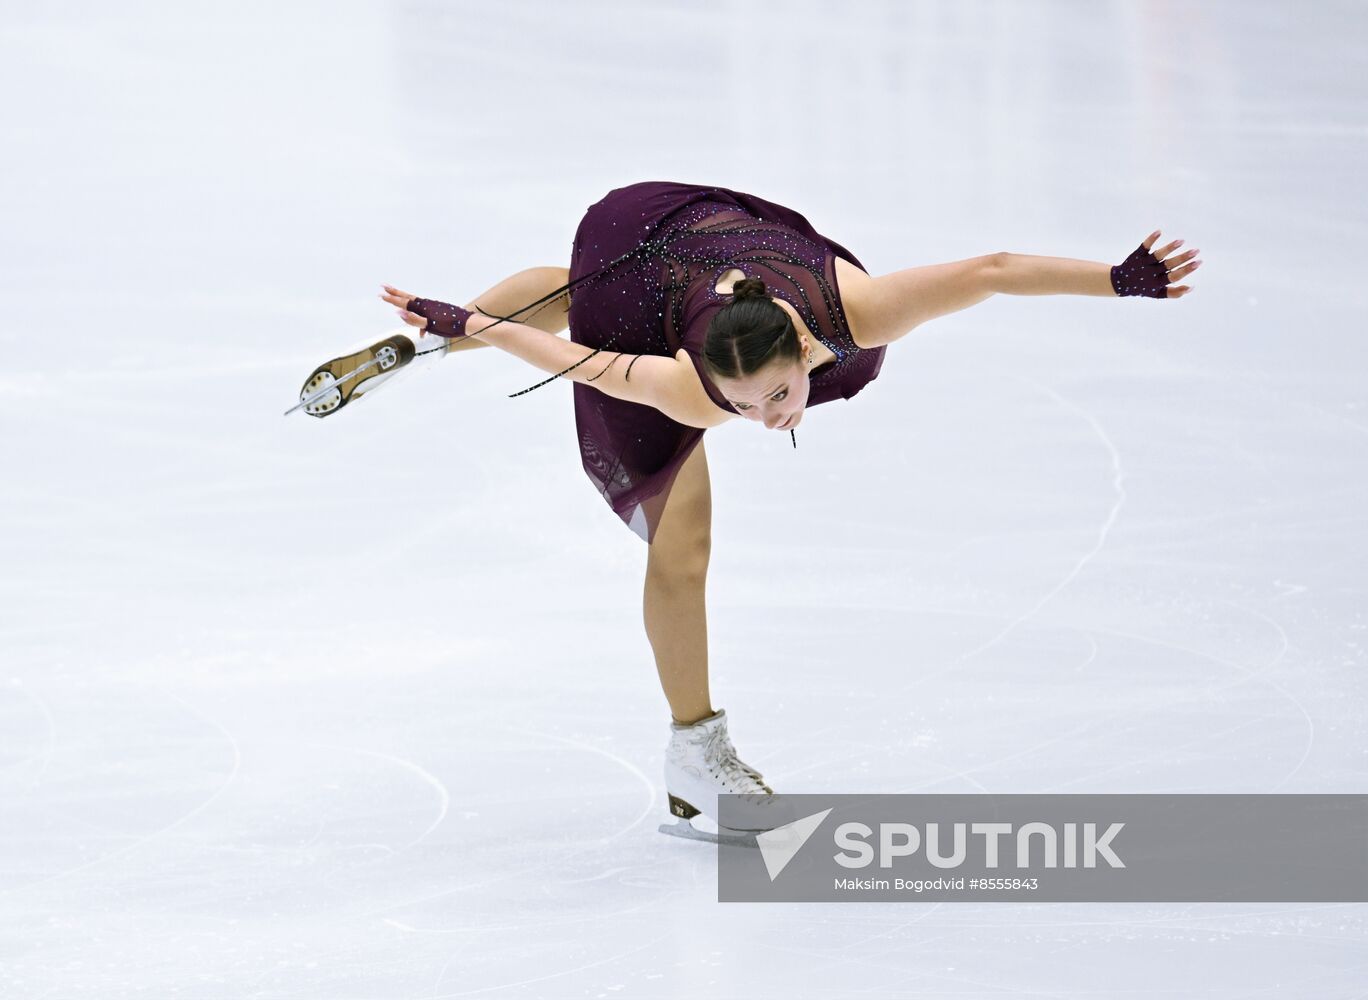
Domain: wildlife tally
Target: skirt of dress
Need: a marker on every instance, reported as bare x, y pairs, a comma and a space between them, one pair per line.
621, 295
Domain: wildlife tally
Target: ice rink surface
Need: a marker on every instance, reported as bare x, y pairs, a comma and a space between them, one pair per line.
364, 707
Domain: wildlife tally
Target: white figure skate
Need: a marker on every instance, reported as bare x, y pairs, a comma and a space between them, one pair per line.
700, 765
365, 367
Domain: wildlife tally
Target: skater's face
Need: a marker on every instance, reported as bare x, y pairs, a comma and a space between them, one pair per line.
774, 396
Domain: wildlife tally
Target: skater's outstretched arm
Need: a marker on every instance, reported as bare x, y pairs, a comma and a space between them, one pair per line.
670, 385
889, 307
884, 309
1023, 274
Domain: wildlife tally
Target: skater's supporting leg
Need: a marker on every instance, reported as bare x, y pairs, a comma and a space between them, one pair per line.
519, 290
676, 575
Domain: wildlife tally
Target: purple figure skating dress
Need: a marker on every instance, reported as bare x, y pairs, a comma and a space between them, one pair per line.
645, 264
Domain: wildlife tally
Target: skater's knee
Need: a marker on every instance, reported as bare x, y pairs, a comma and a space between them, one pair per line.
682, 560
682, 543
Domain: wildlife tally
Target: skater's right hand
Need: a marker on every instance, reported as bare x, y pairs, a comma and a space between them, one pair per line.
432, 315
401, 300
441, 318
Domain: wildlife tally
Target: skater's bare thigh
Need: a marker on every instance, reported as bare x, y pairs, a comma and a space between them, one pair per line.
510, 296
683, 538
526, 287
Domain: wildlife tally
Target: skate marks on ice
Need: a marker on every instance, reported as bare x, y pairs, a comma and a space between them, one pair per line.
1244, 674
430, 779
1230, 678
1102, 531
1118, 476
1215, 693
137, 841
548, 977
647, 785
585, 845
43, 755
285, 834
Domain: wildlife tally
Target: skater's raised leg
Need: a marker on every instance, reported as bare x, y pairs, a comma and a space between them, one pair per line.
519, 290
361, 370
676, 577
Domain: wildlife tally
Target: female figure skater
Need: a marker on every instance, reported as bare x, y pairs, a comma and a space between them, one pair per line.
700, 305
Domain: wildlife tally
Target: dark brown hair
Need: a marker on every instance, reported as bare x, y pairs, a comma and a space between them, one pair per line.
749, 333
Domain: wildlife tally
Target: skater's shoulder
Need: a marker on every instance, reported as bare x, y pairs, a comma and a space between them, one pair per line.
855, 288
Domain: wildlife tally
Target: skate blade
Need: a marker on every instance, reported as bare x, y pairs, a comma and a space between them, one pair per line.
334, 384
730, 838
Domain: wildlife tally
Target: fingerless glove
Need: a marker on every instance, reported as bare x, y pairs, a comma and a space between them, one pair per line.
443, 318
1141, 274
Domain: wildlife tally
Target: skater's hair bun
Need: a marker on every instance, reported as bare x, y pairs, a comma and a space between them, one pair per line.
749, 333
748, 288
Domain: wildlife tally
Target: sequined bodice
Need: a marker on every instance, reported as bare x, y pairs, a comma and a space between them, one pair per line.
705, 240
644, 269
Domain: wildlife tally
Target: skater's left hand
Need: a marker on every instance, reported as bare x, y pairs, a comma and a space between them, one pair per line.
1153, 273
401, 300
1179, 266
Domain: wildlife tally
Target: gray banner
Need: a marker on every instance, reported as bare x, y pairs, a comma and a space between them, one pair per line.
1047, 848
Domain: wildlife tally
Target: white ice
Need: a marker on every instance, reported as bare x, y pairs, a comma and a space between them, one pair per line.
364, 708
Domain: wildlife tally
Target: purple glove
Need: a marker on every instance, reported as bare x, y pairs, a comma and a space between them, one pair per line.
443, 318
1141, 273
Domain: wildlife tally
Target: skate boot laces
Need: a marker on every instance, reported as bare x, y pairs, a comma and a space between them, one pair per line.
719, 753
